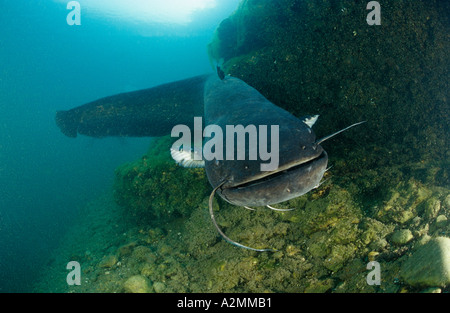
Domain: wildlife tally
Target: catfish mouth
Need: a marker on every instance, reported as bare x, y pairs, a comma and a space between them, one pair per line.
279, 173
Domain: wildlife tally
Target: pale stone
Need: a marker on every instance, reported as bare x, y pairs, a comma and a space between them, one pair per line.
441, 221
429, 265
137, 284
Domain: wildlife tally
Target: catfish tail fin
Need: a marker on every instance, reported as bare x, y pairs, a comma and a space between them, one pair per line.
67, 122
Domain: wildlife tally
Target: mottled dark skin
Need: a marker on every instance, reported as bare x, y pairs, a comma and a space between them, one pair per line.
301, 162
143, 113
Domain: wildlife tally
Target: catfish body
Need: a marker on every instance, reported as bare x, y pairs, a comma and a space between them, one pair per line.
149, 112
225, 102
301, 163
222, 102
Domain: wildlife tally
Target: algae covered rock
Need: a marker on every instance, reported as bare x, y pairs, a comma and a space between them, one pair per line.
406, 200
401, 237
429, 265
441, 221
159, 287
320, 286
156, 187
108, 261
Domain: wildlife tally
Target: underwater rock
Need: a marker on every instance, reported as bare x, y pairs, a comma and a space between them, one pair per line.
374, 233
126, 249
432, 208
159, 287
429, 265
447, 201
441, 221
339, 255
401, 237
405, 201
320, 286
432, 290
143, 254
108, 261
148, 269
155, 187
137, 284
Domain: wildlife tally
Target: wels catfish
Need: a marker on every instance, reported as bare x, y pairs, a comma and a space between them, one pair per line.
222, 101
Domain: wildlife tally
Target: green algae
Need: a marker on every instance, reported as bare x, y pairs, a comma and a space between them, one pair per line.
156, 187
186, 254
323, 246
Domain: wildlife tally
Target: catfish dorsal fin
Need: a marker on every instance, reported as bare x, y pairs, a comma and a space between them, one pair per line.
310, 120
